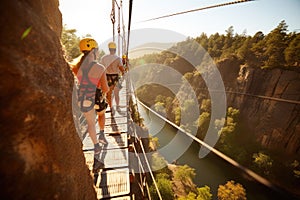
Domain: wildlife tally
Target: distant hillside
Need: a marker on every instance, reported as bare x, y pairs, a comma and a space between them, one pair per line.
149, 48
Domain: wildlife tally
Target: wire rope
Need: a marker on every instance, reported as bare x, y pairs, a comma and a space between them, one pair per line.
198, 9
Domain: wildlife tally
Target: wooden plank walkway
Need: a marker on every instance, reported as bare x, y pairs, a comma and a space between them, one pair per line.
112, 177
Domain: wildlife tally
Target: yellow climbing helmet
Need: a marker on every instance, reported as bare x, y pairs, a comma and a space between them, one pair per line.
124, 56
87, 44
112, 45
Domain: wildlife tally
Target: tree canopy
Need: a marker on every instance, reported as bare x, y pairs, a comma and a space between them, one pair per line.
70, 43
276, 49
231, 191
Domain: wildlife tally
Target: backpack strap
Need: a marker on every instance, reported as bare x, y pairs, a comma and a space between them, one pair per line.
85, 73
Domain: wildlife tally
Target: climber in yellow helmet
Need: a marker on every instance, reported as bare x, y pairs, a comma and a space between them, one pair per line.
125, 62
114, 67
92, 90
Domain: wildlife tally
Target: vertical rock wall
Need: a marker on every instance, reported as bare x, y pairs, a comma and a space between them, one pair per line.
41, 156
275, 124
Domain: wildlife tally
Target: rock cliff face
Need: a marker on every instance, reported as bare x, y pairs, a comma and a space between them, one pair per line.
275, 123
41, 155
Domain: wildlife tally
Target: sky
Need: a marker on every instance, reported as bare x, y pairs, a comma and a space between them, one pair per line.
93, 16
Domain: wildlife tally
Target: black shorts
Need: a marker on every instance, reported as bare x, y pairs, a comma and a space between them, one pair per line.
100, 102
112, 79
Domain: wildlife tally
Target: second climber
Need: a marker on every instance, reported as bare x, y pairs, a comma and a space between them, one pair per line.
114, 67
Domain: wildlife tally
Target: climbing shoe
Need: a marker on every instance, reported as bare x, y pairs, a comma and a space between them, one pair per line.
97, 148
102, 138
118, 109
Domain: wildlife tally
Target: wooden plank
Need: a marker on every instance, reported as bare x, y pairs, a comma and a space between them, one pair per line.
113, 183
116, 114
113, 158
116, 120
122, 92
122, 128
123, 101
122, 105
122, 198
116, 141
115, 135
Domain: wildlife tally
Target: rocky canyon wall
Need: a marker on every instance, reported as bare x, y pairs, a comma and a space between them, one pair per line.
41, 153
275, 123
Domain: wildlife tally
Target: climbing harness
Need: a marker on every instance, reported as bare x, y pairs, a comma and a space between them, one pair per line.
89, 96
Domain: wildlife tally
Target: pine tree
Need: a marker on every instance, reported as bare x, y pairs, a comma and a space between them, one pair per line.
292, 52
276, 44
215, 45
